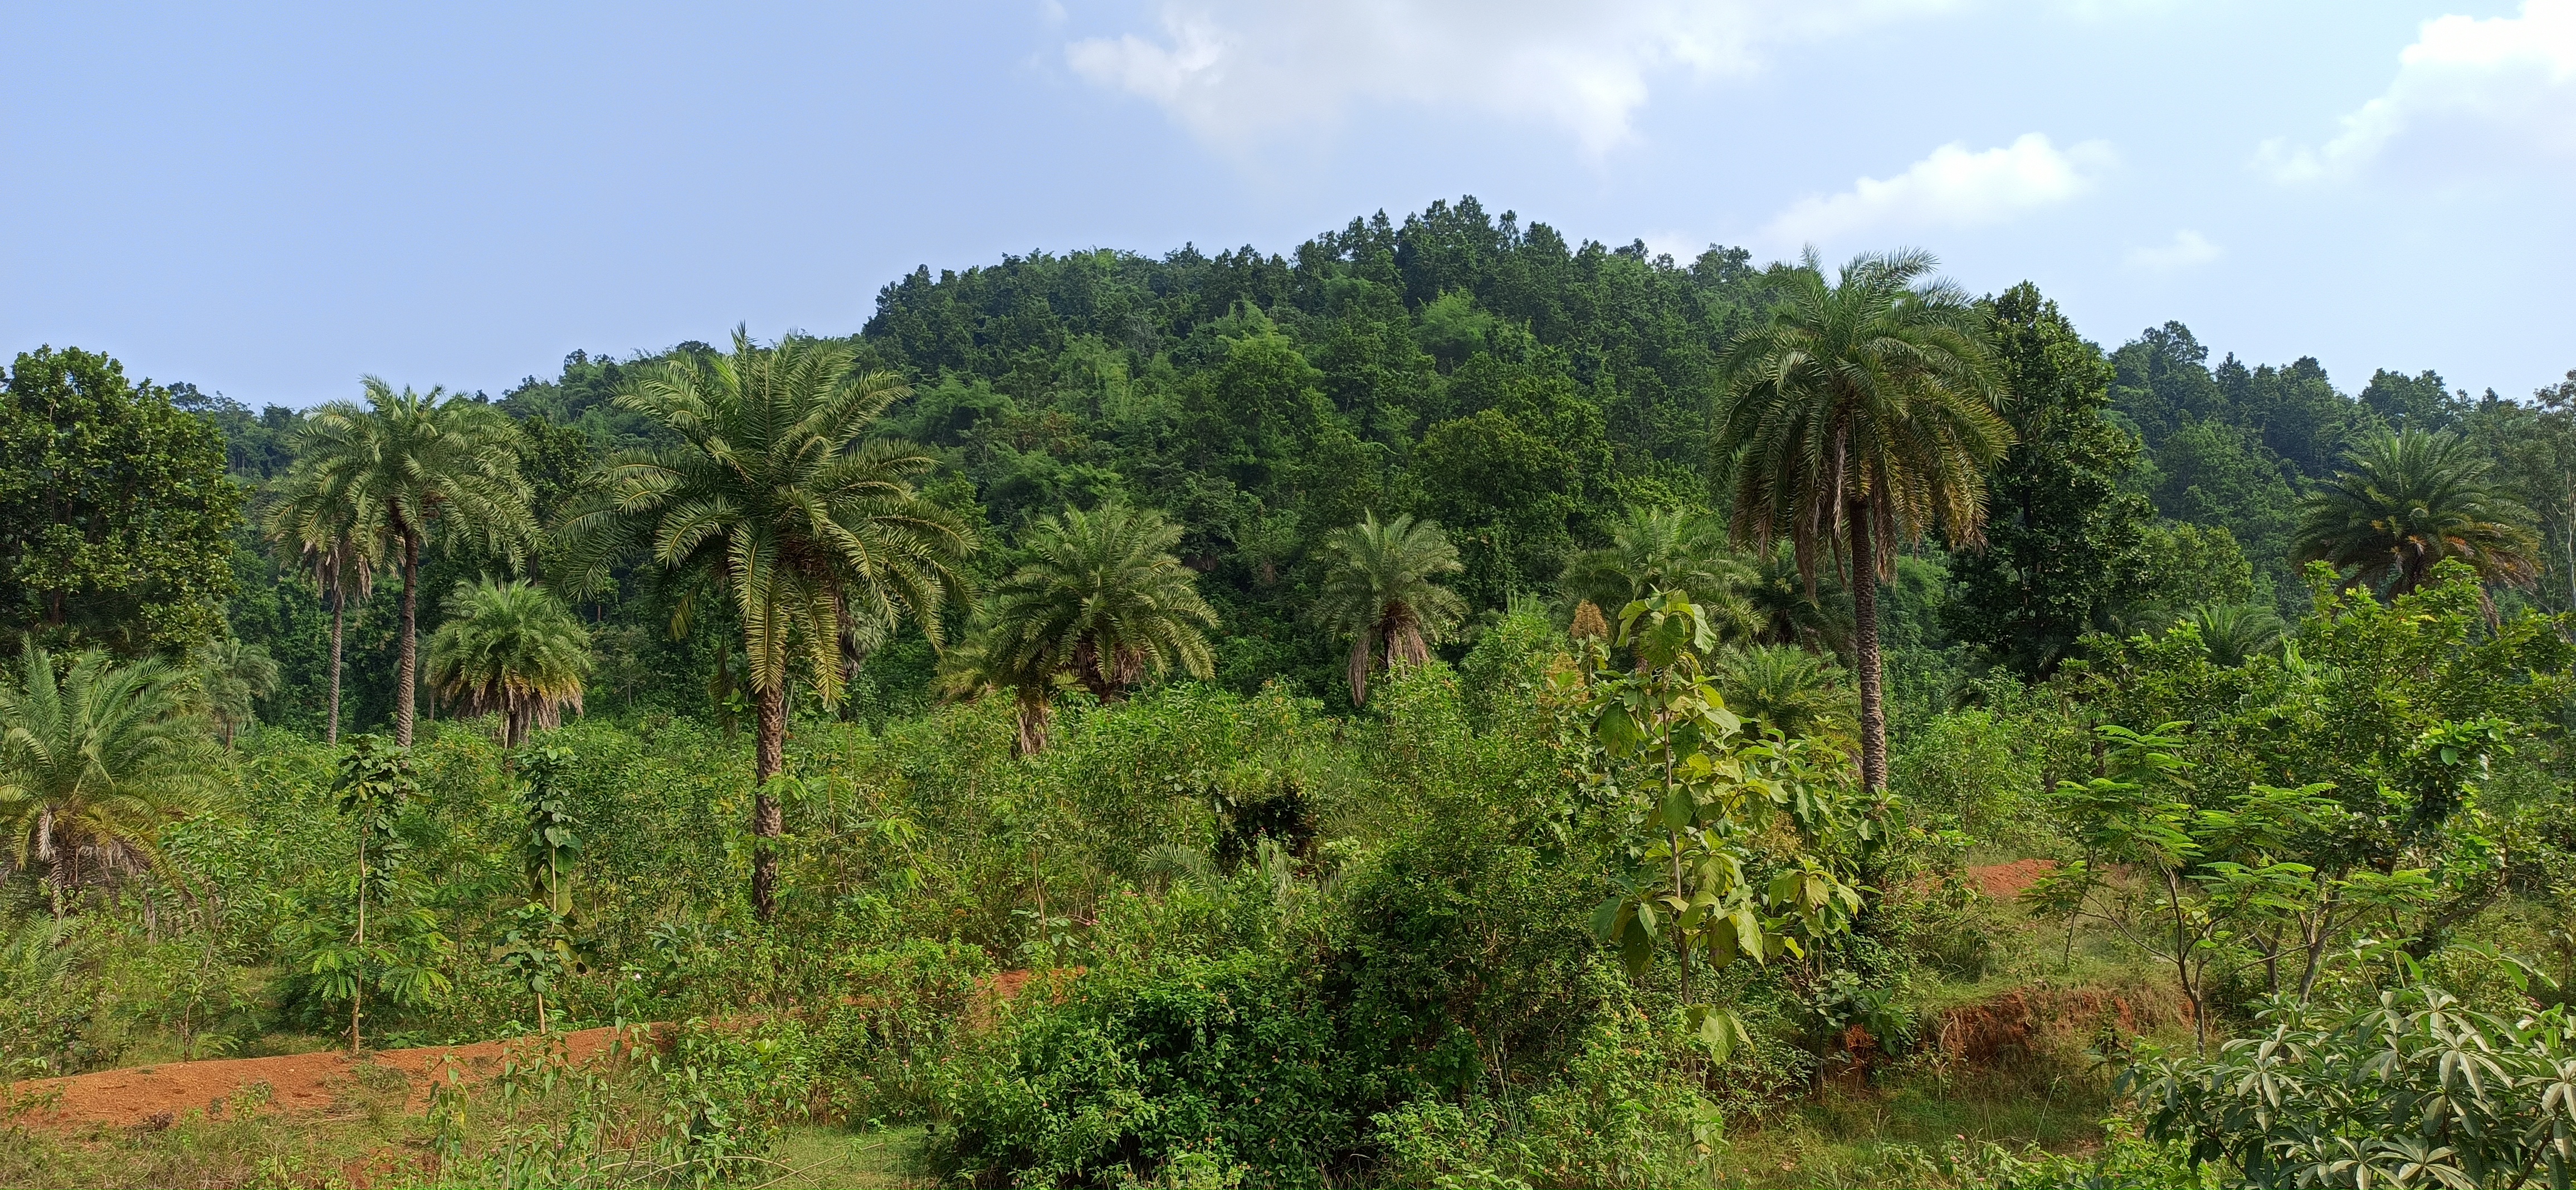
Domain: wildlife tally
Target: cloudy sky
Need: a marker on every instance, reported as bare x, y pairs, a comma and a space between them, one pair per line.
269, 200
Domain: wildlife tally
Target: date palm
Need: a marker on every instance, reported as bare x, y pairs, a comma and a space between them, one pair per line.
1102, 598
1382, 590
1790, 690
2406, 502
1858, 414
1668, 549
94, 761
510, 648
2232, 634
230, 677
986, 663
335, 538
416, 468
779, 495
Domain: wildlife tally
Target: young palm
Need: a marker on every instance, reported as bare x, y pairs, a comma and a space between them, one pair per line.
1102, 598
1858, 414
2406, 502
1382, 590
1789, 690
1655, 549
513, 649
2232, 634
231, 676
414, 468
778, 497
336, 539
94, 762
986, 663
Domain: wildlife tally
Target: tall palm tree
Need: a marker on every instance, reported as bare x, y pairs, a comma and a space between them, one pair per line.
93, 763
778, 496
231, 676
1102, 598
510, 647
418, 467
1382, 590
1858, 414
335, 537
2407, 501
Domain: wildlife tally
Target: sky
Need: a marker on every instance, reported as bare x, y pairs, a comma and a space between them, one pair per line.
271, 200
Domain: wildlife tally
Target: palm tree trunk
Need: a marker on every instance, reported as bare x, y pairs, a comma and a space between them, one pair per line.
1360, 661
769, 755
339, 610
1873, 717
1032, 719
408, 668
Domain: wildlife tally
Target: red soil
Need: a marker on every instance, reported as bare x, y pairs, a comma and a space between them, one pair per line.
2003, 882
156, 1096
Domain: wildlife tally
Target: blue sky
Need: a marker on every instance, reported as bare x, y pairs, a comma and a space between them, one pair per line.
269, 200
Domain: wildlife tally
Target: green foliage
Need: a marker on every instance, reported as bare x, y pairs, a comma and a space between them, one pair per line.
2409, 502
2415, 1089
94, 761
1102, 599
1234, 1057
2063, 542
114, 510
1381, 589
510, 648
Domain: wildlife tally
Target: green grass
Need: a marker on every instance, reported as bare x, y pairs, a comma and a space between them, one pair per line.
822, 1157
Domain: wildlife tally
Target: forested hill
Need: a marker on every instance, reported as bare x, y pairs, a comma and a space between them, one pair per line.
1525, 391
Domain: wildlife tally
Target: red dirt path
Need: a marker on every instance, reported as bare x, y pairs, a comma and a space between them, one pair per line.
154, 1096
2004, 882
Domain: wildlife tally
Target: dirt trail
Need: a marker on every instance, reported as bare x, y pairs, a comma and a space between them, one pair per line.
2004, 882
156, 1096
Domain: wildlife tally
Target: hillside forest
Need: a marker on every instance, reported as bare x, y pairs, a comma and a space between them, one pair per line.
1449, 705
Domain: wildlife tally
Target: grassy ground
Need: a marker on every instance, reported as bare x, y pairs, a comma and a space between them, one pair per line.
826, 1158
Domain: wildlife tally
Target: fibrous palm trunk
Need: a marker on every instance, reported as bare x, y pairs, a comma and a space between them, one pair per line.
769, 756
339, 611
1873, 717
408, 667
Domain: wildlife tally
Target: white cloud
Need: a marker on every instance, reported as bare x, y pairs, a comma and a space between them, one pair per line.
2188, 249
1951, 188
2514, 76
1236, 73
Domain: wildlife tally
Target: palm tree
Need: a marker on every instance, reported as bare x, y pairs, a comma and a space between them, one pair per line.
230, 677
411, 467
2232, 634
336, 538
1657, 549
777, 496
2407, 501
1858, 414
1810, 611
1381, 589
94, 762
1102, 598
510, 647
986, 663
1789, 690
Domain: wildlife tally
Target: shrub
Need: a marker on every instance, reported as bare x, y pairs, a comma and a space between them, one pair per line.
1232, 1061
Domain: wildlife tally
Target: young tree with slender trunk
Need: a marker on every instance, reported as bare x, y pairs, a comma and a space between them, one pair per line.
1860, 413
778, 496
418, 468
